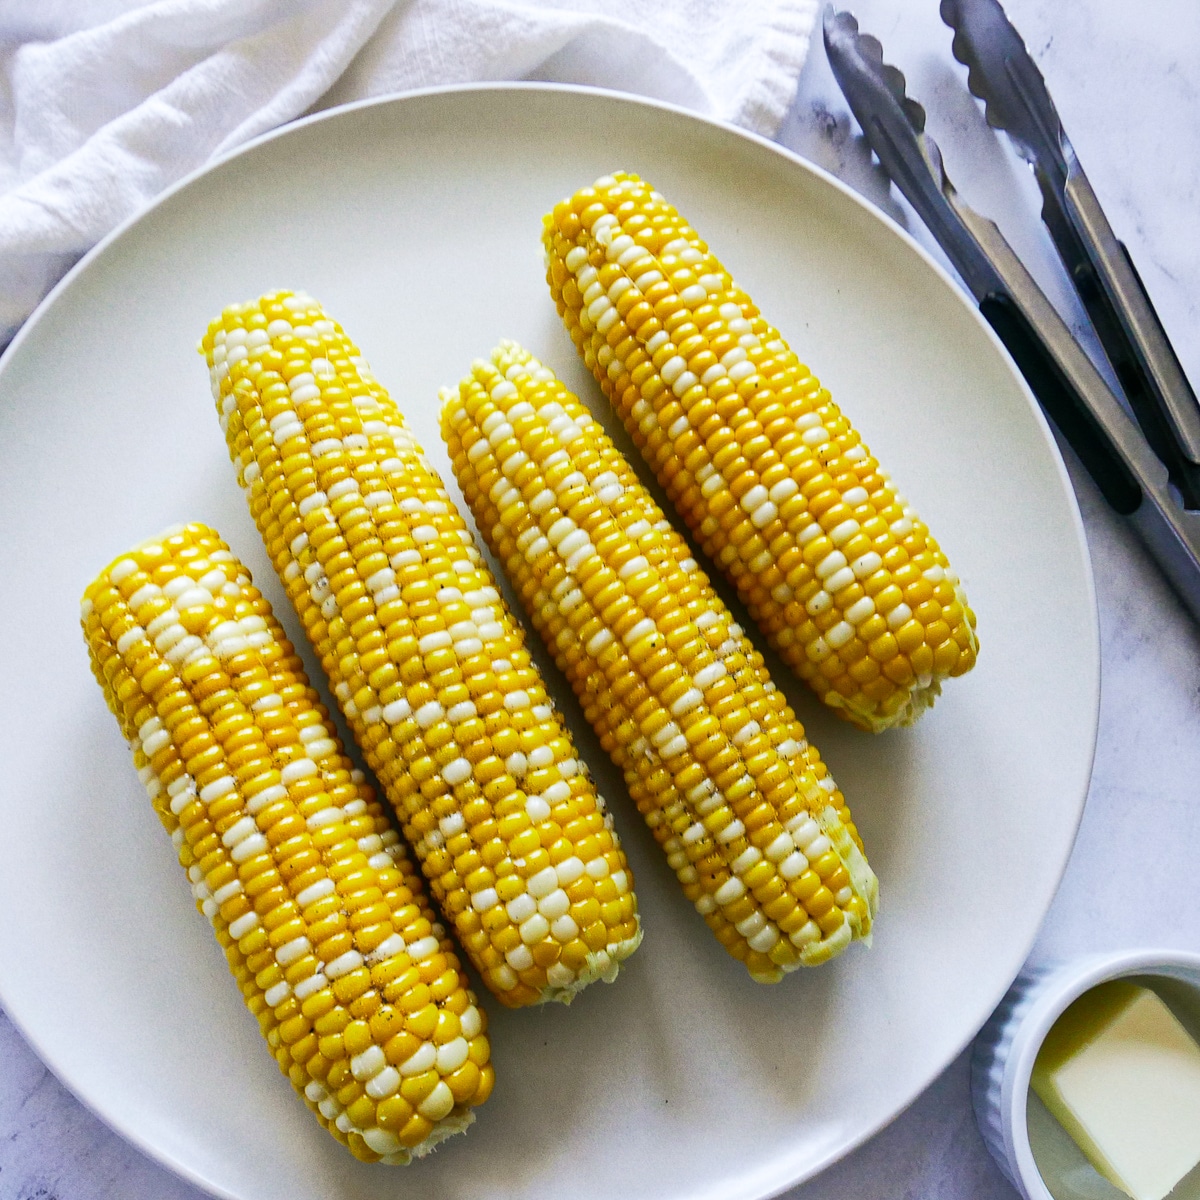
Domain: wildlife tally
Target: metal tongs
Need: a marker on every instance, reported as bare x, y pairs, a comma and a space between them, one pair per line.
1150, 475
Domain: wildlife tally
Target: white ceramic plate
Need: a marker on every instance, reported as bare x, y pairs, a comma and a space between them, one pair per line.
416, 221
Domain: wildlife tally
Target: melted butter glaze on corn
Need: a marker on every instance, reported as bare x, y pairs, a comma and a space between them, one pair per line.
753, 825
323, 920
423, 655
840, 574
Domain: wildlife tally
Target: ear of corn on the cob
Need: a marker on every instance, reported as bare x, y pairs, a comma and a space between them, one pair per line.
754, 827
838, 571
323, 920
424, 658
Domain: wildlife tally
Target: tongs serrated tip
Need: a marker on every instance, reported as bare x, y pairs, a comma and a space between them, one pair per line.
843, 37
858, 64
894, 124
1002, 73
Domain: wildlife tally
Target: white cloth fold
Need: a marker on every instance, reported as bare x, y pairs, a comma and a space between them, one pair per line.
104, 103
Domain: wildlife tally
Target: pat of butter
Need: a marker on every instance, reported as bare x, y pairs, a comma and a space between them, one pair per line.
1122, 1076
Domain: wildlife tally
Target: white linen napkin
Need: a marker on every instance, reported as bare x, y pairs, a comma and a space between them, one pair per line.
104, 103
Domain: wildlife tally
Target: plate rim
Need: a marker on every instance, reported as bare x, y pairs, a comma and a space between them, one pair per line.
821, 175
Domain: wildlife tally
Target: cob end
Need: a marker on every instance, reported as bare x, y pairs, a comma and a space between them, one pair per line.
456, 1122
603, 965
916, 702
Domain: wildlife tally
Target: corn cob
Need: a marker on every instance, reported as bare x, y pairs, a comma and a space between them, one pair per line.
837, 570
753, 825
424, 657
323, 920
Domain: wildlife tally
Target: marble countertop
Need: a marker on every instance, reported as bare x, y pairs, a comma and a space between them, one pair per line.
1127, 84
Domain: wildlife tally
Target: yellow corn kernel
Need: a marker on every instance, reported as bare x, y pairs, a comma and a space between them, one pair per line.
712, 755
770, 477
422, 653
233, 746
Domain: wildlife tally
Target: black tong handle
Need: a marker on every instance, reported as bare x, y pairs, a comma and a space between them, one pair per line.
1062, 403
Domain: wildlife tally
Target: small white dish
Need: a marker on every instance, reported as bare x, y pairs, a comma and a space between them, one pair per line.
1031, 1148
